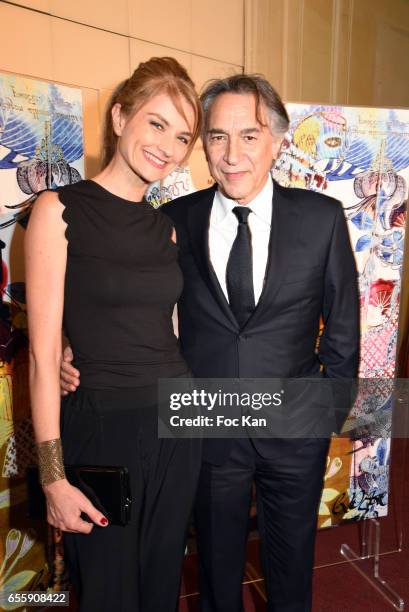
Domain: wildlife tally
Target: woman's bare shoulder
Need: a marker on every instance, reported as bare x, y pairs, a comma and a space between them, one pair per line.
48, 205
47, 214
48, 199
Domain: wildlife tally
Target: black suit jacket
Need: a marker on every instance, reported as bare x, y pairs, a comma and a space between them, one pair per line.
310, 273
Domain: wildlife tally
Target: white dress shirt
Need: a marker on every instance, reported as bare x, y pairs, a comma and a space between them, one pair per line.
223, 231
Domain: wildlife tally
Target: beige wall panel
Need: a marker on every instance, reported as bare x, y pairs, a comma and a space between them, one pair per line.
363, 53
391, 86
141, 51
103, 99
88, 57
292, 50
264, 39
316, 51
40, 5
379, 56
164, 22
200, 172
342, 32
394, 11
205, 69
218, 30
273, 44
92, 129
106, 14
25, 42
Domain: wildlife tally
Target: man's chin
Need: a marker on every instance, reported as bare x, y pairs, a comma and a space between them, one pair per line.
233, 192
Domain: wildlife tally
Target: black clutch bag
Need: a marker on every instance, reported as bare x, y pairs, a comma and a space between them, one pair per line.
107, 488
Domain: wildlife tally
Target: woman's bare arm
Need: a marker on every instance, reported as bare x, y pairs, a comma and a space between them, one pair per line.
45, 260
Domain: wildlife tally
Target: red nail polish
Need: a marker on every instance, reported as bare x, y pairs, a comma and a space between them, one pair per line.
104, 521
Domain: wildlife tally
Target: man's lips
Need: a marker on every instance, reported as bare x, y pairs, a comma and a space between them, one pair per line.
155, 161
234, 176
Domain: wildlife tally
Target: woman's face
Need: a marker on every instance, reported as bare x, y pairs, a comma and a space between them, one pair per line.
154, 140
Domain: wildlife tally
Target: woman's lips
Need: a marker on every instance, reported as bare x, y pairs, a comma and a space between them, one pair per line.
155, 161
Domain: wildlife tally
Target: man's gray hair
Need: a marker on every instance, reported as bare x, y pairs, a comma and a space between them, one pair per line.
249, 84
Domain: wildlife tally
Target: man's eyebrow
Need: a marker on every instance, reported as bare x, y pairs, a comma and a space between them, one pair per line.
185, 132
252, 130
216, 131
244, 132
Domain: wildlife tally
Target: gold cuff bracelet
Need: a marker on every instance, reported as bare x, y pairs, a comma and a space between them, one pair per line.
50, 461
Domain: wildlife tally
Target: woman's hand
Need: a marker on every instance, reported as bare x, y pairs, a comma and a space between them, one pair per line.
65, 504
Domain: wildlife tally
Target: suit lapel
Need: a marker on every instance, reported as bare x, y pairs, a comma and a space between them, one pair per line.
284, 230
198, 226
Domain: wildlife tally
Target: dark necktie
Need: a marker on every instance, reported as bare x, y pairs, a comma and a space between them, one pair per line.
239, 270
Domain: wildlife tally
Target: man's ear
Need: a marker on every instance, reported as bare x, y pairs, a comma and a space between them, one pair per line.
118, 119
277, 142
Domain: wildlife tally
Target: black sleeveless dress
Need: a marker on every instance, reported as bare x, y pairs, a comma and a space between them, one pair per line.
122, 281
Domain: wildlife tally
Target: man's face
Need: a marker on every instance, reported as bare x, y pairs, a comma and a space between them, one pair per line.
239, 150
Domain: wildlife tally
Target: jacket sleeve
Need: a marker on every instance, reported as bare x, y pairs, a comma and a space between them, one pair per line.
339, 346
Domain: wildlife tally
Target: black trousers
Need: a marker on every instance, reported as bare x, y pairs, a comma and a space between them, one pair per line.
288, 494
135, 568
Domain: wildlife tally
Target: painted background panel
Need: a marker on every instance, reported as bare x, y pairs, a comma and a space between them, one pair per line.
41, 146
361, 157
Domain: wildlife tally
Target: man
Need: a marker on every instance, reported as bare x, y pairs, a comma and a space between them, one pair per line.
261, 264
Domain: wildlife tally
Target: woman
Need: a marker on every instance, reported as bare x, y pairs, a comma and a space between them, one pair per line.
110, 261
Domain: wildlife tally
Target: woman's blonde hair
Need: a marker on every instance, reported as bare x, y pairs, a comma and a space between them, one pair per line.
156, 76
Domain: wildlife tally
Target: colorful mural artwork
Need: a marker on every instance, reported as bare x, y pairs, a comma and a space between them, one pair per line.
178, 183
41, 146
361, 157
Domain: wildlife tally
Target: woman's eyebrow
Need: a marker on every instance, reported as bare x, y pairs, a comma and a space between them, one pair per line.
185, 132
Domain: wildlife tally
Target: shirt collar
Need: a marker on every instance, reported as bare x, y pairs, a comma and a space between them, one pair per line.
261, 206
